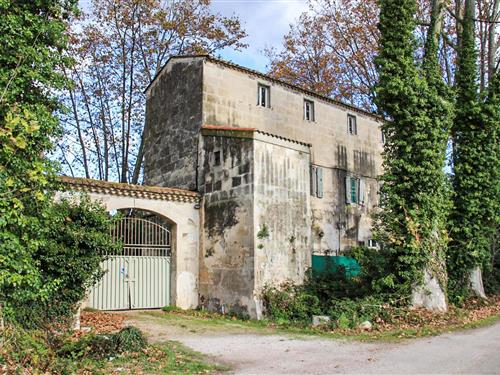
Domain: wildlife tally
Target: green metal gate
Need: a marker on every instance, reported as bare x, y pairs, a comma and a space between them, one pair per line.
139, 278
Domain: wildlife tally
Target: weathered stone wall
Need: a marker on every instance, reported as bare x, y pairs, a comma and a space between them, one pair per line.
282, 211
335, 224
230, 98
227, 257
173, 120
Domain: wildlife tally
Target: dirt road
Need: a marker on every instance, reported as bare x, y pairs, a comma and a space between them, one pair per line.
468, 352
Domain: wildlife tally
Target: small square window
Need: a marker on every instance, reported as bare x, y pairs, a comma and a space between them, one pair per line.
263, 94
352, 126
308, 110
217, 160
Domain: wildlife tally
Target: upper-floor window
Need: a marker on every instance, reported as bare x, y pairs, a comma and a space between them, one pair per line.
264, 97
352, 126
308, 110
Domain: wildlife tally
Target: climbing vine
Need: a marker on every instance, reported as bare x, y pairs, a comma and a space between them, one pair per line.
474, 218
414, 204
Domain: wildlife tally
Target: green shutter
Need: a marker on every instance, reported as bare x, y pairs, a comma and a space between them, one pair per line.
348, 190
354, 190
319, 182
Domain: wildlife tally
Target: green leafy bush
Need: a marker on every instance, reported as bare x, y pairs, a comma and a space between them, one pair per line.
349, 313
101, 346
348, 301
290, 303
377, 270
129, 339
73, 242
95, 346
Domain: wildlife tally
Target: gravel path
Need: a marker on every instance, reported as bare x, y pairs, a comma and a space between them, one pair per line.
469, 352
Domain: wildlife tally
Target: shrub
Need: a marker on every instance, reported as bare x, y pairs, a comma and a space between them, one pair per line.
129, 339
349, 313
70, 248
377, 273
289, 303
348, 301
95, 346
28, 352
100, 346
239, 312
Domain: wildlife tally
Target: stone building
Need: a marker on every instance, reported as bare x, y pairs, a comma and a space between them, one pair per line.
283, 172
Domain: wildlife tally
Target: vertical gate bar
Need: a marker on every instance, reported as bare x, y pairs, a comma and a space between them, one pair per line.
145, 258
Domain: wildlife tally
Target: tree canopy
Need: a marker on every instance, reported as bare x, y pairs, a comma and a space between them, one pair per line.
35, 231
119, 46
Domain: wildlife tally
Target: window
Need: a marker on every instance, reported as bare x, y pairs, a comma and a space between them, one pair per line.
352, 126
264, 98
217, 160
372, 244
308, 110
383, 137
354, 190
316, 181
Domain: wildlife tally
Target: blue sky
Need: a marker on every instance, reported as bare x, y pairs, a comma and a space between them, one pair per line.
265, 21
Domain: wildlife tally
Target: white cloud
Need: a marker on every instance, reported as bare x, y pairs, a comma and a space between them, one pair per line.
265, 23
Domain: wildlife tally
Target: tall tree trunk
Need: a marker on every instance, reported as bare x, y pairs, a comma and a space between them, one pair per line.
492, 38
79, 130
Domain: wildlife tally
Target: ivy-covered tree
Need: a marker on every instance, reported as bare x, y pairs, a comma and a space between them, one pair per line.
475, 214
412, 221
491, 115
36, 233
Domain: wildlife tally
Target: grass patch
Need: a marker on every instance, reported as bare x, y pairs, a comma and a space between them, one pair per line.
168, 357
405, 324
125, 352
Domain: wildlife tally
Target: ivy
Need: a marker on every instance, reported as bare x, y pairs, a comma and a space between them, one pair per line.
49, 251
413, 202
475, 215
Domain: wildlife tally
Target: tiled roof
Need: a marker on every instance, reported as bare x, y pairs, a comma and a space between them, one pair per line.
129, 190
256, 73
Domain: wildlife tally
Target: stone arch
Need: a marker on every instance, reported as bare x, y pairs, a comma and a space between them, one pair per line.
179, 208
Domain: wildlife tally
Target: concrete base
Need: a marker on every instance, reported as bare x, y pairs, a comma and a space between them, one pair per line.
476, 282
430, 294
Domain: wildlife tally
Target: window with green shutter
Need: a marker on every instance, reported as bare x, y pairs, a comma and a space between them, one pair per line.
316, 181
354, 190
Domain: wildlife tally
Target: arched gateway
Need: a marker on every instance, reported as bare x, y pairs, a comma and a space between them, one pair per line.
159, 264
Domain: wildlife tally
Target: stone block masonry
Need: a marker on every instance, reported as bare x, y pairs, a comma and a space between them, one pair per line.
277, 185
173, 121
227, 259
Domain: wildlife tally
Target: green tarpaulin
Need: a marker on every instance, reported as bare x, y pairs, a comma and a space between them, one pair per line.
325, 263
